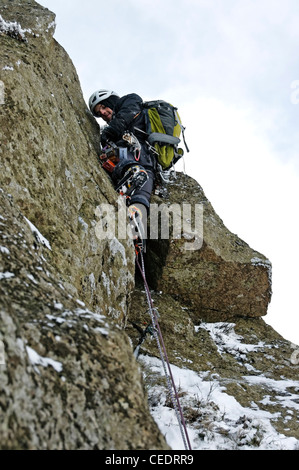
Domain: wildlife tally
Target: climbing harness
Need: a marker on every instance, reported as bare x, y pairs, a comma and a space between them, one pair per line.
156, 331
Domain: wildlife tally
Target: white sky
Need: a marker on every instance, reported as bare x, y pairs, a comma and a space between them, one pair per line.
231, 66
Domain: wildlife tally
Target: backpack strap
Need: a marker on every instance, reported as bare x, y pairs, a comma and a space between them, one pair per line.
157, 137
182, 128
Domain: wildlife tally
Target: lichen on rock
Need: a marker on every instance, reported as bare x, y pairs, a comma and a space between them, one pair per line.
69, 379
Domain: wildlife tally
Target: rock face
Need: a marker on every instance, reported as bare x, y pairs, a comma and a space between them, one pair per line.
68, 376
48, 157
69, 379
212, 271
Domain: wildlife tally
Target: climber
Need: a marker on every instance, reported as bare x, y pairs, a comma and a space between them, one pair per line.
125, 131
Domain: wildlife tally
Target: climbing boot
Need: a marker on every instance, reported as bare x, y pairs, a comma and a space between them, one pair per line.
133, 180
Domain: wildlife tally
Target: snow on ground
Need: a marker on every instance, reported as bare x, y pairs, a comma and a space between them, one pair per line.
222, 423
216, 420
227, 340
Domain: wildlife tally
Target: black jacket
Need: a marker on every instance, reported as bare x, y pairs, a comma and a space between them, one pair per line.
128, 114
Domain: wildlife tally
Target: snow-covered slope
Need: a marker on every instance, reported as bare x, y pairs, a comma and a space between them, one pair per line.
237, 382
215, 419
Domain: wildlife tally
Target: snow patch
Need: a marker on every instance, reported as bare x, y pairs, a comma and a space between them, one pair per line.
216, 420
51, 25
103, 331
6, 275
37, 360
227, 341
68, 317
32, 278
39, 237
106, 282
261, 262
84, 224
13, 29
265, 263
58, 305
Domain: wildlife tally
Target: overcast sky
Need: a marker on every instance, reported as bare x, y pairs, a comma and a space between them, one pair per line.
232, 68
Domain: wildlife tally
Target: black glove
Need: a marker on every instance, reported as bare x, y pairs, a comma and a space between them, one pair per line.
104, 140
107, 136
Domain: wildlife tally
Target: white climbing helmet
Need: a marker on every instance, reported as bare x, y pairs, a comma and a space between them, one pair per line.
98, 96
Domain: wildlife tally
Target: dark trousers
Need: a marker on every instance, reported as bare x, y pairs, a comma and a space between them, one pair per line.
148, 162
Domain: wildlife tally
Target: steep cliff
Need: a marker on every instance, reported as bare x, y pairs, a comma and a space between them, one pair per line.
68, 377
48, 159
69, 380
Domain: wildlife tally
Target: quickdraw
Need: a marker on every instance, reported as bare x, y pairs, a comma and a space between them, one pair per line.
143, 334
134, 144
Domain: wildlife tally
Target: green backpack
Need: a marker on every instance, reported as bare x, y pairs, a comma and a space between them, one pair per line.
164, 128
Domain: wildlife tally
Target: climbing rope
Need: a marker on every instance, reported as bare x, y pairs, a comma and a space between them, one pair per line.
163, 354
